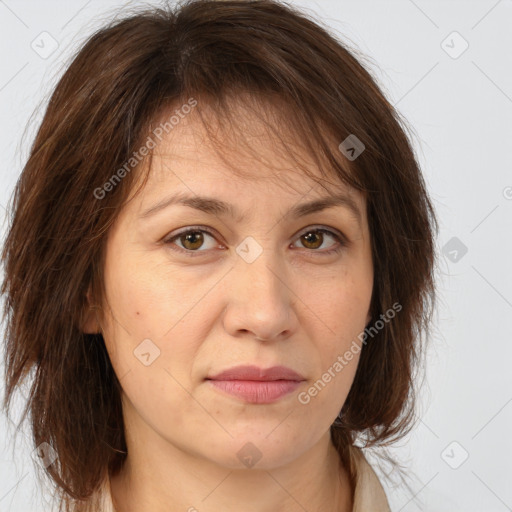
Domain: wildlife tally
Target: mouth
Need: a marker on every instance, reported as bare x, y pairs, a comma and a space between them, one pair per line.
257, 385
256, 392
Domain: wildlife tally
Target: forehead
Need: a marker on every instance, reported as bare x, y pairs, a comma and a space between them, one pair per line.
245, 167
252, 142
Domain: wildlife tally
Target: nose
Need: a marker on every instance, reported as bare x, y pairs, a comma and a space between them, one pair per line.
260, 302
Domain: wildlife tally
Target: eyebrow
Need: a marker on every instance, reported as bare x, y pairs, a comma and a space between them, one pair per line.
215, 206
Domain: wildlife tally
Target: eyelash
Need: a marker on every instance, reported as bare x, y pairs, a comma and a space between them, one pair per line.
194, 229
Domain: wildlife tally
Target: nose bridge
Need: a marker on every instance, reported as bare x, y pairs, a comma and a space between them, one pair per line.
264, 276
262, 270
260, 300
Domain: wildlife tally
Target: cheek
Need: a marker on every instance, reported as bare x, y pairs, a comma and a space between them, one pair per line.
151, 349
152, 333
145, 300
342, 304
161, 400
341, 308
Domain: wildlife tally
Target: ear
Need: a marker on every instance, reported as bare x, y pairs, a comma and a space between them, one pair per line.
91, 324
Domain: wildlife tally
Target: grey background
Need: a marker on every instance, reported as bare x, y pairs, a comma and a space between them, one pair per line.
460, 106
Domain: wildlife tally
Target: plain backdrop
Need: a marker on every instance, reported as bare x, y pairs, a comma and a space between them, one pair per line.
447, 66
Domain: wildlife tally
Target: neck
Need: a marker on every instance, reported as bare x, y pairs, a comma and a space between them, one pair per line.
167, 479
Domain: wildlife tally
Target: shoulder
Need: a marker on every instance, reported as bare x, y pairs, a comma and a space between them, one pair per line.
102, 498
369, 495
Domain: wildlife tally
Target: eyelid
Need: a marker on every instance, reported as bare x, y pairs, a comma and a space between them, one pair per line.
328, 229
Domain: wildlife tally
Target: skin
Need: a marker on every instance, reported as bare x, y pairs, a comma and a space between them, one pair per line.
206, 313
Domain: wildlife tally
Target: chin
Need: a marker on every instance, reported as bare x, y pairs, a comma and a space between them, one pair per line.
257, 450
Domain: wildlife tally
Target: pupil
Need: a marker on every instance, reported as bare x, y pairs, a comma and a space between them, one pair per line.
308, 236
190, 237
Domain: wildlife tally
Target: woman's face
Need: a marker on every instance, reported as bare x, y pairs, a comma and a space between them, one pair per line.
252, 284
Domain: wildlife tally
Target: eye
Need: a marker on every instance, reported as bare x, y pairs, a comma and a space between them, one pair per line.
313, 239
193, 238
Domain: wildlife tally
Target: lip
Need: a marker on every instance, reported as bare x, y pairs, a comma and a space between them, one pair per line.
255, 373
257, 385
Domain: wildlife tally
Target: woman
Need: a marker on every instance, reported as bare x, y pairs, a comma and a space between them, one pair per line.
219, 264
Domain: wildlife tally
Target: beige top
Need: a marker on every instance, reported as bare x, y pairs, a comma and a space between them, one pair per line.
369, 495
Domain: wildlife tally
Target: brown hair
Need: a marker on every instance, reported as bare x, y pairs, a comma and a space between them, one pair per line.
124, 79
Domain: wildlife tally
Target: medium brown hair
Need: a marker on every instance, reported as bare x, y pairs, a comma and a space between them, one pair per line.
123, 80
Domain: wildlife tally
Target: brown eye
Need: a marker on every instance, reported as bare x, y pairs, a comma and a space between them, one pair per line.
192, 240
313, 239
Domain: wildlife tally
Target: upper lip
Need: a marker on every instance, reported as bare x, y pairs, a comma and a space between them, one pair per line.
251, 372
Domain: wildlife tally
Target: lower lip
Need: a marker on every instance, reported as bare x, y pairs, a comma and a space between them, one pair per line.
257, 392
